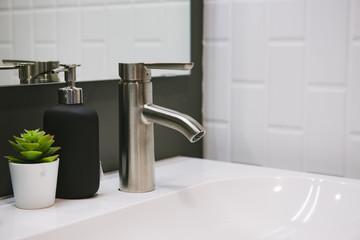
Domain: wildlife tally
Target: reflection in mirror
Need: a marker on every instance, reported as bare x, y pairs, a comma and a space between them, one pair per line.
95, 34
31, 72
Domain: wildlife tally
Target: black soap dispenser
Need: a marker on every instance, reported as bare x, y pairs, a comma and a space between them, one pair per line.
76, 128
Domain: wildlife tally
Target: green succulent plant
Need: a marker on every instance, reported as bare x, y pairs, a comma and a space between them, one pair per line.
33, 146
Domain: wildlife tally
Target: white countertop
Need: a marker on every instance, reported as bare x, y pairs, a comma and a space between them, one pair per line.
171, 175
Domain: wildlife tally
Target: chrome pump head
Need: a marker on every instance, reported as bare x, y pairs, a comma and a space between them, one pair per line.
69, 94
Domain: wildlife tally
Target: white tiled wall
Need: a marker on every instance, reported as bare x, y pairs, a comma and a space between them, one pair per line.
95, 33
282, 84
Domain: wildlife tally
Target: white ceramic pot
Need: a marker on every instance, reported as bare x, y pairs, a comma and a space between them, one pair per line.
34, 185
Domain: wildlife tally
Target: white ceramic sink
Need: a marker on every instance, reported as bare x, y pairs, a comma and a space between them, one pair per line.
199, 199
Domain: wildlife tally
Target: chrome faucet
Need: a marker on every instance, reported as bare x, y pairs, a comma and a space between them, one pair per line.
24, 71
33, 71
137, 114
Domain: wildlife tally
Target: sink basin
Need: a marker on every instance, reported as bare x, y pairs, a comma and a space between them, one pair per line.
199, 199
248, 208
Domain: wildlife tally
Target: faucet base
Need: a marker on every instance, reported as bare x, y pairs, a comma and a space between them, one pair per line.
125, 190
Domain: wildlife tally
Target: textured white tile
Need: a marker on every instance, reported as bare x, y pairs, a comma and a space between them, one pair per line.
287, 19
118, 1
217, 20
147, 21
78, 23
176, 40
216, 141
5, 27
148, 52
92, 2
22, 35
325, 132
248, 125
286, 85
93, 24
327, 41
69, 36
21, 4
5, 4
354, 89
9, 76
44, 3
216, 81
147, 1
5, 53
45, 26
249, 40
64, 3
321, 61
119, 45
355, 5
45, 52
352, 169
285, 149
93, 63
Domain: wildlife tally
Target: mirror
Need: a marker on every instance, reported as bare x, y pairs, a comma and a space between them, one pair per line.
95, 34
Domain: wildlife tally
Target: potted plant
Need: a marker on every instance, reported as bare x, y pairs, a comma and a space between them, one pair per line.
34, 171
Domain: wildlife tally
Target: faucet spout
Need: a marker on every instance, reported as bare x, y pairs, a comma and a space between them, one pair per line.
183, 123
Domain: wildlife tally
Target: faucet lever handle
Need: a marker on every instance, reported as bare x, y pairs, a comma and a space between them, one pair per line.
13, 61
170, 66
142, 71
17, 65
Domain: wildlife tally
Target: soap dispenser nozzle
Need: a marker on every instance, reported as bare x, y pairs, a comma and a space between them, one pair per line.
69, 94
69, 71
